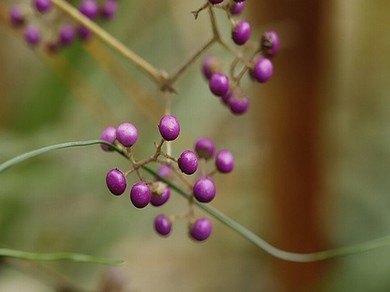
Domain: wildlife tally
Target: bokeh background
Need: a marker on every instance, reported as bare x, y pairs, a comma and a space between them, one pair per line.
312, 153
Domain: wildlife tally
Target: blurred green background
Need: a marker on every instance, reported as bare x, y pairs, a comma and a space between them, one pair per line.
59, 202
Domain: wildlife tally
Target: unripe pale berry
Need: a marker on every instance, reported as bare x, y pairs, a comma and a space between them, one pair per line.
224, 161
169, 127
262, 70
269, 43
127, 134
241, 32
140, 194
201, 229
116, 181
162, 225
219, 84
205, 148
204, 190
187, 162
42, 5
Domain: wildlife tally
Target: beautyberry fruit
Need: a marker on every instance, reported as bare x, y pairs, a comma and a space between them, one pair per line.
238, 105
140, 194
160, 197
219, 84
205, 148
224, 161
215, 1
162, 225
42, 5
270, 43
67, 34
108, 135
164, 170
84, 33
116, 181
32, 35
241, 32
109, 9
89, 8
188, 163
204, 190
16, 16
210, 65
237, 7
262, 70
201, 229
127, 134
169, 127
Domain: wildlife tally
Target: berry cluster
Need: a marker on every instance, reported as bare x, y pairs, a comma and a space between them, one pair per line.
62, 31
260, 67
157, 192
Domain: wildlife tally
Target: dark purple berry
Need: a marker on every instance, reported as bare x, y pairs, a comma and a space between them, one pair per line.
109, 9
219, 84
201, 229
42, 5
238, 105
237, 7
160, 195
169, 127
241, 32
262, 70
210, 65
84, 33
16, 16
32, 35
205, 148
204, 190
188, 163
67, 34
89, 8
164, 171
162, 225
215, 1
140, 194
270, 43
224, 161
127, 134
116, 181
108, 135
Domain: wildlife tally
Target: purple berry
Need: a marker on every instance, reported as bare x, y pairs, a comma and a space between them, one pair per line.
241, 32
224, 161
160, 195
164, 171
67, 34
270, 43
237, 7
238, 105
116, 181
210, 65
188, 163
32, 35
42, 5
16, 16
262, 70
204, 190
215, 1
169, 127
201, 229
205, 148
140, 194
219, 84
108, 135
109, 9
89, 8
127, 134
84, 33
162, 225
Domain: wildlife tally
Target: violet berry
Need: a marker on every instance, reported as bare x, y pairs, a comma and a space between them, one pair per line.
108, 135
16, 16
160, 196
210, 65
169, 127
238, 105
269, 43
32, 35
201, 229
219, 84
164, 170
224, 161
116, 181
127, 134
162, 225
67, 34
188, 163
84, 33
140, 194
205, 148
204, 190
241, 32
109, 9
89, 8
262, 70
42, 5
237, 7
215, 1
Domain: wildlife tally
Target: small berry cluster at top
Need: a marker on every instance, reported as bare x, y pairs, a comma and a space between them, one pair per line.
52, 29
156, 192
260, 67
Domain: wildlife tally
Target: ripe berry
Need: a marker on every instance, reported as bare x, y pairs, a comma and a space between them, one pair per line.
201, 229
188, 163
204, 190
16, 16
224, 161
210, 65
108, 135
109, 9
42, 5
162, 225
89, 8
127, 134
205, 148
164, 171
140, 194
262, 70
237, 7
169, 127
160, 197
238, 105
219, 84
67, 34
32, 35
269, 43
241, 32
116, 181
215, 1
84, 33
